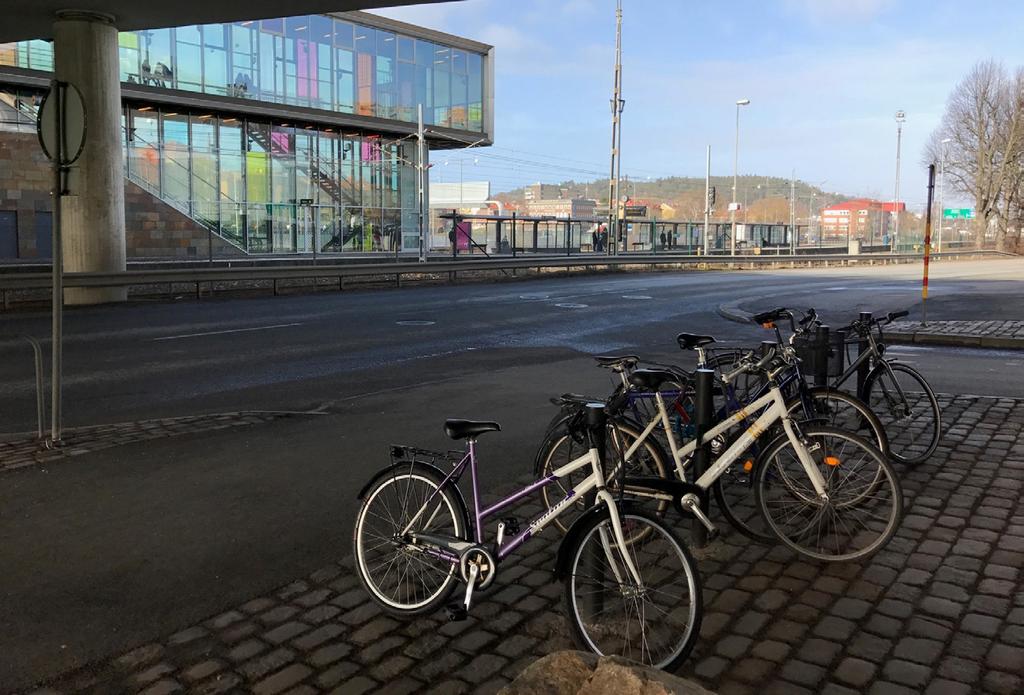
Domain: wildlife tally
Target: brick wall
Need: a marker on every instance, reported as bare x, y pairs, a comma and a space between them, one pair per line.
153, 228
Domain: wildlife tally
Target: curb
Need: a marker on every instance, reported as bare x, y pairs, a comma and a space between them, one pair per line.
955, 340
732, 312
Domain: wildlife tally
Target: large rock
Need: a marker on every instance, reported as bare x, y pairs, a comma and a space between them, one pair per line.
580, 673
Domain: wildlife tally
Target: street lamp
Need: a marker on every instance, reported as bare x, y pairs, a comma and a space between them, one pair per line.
900, 118
736, 169
942, 181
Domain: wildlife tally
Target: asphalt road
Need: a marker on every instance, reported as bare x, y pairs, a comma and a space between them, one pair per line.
108, 550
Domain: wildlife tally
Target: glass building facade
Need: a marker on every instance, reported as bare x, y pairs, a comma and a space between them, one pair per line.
277, 185
315, 61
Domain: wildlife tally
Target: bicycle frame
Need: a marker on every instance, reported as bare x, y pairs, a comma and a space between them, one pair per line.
594, 481
775, 410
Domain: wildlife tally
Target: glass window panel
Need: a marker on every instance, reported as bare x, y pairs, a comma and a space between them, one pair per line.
323, 94
257, 162
385, 87
321, 29
459, 106
365, 75
213, 35
406, 49
189, 59
156, 58
349, 172
268, 67
144, 150
174, 170
406, 92
244, 59
442, 97
442, 59
282, 151
344, 99
272, 26
128, 56
458, 61
230, 152
385, 44
258, 228
215, 70
297, 28
424, 53
305, 178
205, 179
343, 34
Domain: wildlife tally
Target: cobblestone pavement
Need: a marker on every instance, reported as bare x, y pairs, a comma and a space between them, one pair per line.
991, 334
940, 610
26, 450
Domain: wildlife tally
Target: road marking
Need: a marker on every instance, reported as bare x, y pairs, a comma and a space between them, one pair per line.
570, 305
233, 330
636, 296
415, 323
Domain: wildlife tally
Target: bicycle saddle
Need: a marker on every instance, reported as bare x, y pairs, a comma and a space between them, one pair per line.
617, 361
689, 341
651, 379
462, 429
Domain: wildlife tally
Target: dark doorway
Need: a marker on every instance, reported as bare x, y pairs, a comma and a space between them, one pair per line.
8, 234
44, 234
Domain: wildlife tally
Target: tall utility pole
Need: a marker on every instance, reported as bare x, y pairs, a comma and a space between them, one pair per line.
942, 181
707, 205
793, 241
421, 175
617, 103
900, 118
736, 169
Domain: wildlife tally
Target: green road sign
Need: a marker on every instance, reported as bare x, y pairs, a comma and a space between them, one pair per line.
958, 213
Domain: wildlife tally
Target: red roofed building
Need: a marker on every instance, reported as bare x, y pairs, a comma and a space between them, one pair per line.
862, 218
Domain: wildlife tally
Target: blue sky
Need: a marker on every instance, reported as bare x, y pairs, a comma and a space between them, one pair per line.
824, 77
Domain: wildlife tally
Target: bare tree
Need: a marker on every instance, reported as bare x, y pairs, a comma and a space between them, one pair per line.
984, 120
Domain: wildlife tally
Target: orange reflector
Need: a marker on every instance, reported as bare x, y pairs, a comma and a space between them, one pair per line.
770, 324
748, 465
832, 460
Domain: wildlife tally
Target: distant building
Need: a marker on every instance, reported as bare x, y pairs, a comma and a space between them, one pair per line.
863, 218
561, 207
541, 191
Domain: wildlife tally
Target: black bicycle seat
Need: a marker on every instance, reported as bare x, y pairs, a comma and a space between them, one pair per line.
689, 341
651, 379
461, 429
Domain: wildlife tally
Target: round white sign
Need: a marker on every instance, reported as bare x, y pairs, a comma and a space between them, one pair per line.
71, 118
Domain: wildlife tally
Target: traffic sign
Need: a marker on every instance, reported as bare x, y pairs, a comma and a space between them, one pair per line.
958, 213
66, 121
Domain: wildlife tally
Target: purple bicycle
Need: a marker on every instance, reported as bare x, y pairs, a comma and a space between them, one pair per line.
631, 586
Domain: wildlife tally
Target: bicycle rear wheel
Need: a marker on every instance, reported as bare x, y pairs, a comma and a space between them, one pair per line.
863, 503
655, 623
835, 408
908, 410
401, 577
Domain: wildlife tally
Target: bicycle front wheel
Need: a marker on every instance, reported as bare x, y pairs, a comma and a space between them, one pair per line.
406, 578
862, 505
907, 408
655, 622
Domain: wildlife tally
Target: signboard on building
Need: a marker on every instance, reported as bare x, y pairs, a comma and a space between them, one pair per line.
636, 211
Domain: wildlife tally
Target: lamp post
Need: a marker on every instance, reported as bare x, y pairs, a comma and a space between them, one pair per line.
900, 118
736, 170
942, 181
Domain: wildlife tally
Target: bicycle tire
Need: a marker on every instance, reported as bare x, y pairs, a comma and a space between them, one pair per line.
892, 409
775, 489
829, 415
663, 561
411, 482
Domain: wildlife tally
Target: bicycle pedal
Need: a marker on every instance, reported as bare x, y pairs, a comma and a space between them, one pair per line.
456, 613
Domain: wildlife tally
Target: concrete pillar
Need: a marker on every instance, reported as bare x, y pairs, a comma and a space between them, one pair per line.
85, 55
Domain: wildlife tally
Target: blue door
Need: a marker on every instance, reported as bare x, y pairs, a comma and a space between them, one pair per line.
8, 234
44, 235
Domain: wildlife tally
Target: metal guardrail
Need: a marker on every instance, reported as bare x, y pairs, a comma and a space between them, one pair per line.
199, 276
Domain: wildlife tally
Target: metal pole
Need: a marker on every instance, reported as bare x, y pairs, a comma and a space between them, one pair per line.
420, 181
900, 118
821, 356
58, 267
613, 194
793, 240
37, 354
703, 413
707, 204
735, 171
927, 244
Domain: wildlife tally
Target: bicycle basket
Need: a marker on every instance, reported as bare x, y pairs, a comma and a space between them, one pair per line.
813, 353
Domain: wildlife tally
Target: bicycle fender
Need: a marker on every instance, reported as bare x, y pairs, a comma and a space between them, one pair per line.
563, 558
405, 467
